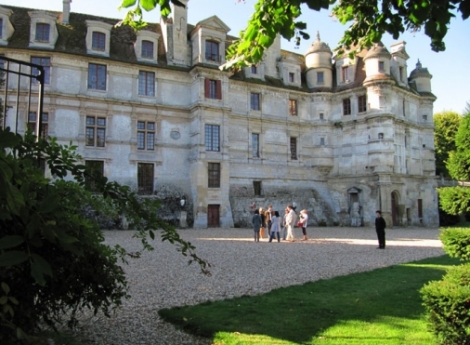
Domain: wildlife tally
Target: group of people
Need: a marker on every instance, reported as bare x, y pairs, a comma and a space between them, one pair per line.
271, 221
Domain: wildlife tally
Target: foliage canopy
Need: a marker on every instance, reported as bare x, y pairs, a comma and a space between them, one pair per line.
446, 125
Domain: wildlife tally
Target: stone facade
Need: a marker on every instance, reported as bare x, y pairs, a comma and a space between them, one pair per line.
338, 136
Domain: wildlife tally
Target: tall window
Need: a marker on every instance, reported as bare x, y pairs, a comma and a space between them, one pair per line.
255, 144
95, 131
213, 175
145, 135
146, 83
362, 103
291, 77
44, 62
213, 88
212, 51
255, 101
293, 106
257, 187
320, 77
42, 32
345, 74
212, 138
98, 41
381, 66
254, 69
380, 136
96, 76
147, 49
145, 178
1, 27
321, 116
44, 124
401, 71
322, 141
95, 171
346, 106
293, 148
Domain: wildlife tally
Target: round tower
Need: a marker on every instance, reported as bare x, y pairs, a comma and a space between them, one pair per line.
377, 62
319, 67
421, 78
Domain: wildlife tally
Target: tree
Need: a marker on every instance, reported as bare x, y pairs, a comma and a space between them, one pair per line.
446, 125
368, 19
53, 262
456, 200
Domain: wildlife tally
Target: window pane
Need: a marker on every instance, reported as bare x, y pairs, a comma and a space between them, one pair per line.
212, 138
42, 32
150, 141
95, 169
46, 63
255, 144
140, 125
100, 135
90, 120
151, 126
101, 121
90, 136
147, 49
293, 148
141, 140
98, 41
214, 175
145, 178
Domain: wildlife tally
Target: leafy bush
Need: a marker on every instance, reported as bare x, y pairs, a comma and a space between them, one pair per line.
447, 303
53, 262
456, 242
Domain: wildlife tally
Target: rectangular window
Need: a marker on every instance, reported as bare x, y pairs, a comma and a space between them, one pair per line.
212, 138
381, 136
42, 32
95, 131
44, 125
425, 117
362, 103
322, 141
320, 77
145, 135
420, 208
254, 69
291, 77
255, 101
322, 116
145, 178
1, 27
346, 106
147, 49
98, 41
213, 88
214, 175
257, 187
212, 51
146, 83
293, 107
255, 144
96, 77
401, 72
45, 62
94, 171
381, 66
345, 74
293, 148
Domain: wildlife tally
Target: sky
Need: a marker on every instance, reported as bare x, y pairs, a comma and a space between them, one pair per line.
450, 69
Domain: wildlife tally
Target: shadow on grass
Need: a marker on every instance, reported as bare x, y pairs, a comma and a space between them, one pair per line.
303, 312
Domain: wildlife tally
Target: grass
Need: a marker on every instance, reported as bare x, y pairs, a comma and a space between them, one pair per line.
377, 307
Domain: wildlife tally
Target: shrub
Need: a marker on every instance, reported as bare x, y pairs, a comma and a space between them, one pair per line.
456, 242
447, 303
53, 262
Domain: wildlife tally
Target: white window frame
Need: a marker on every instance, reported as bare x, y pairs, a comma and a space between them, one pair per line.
97, 26
38, 17
145, 35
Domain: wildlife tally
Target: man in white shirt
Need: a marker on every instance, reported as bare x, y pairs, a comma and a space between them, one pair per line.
290, 222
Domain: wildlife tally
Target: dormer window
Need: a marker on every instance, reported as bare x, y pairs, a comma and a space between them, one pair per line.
42, 32
291, 77
345, 74
212, 51
401, 71
146, 46
6, 29
98, 41
97, 38
147, 49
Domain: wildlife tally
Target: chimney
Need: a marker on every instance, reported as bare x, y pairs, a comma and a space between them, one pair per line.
66, 11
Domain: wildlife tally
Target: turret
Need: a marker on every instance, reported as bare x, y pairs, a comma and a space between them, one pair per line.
319, 67
421, 78
377, 63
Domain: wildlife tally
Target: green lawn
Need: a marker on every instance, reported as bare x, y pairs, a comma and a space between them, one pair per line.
377, 307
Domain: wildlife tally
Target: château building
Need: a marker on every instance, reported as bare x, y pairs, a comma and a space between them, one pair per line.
338, 136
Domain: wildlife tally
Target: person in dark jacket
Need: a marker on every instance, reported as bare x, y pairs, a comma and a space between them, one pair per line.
256, 221
380, 229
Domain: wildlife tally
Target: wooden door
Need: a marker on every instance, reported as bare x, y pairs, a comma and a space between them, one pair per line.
213, 217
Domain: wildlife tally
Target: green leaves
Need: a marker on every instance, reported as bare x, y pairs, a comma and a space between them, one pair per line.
12, 258
10, 241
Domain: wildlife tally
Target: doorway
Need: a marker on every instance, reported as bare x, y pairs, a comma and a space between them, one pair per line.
213, 216
395, 215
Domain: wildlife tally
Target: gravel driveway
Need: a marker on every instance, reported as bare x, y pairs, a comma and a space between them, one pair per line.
162, 278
